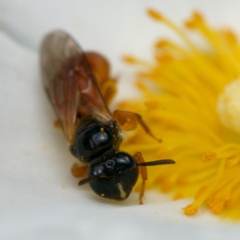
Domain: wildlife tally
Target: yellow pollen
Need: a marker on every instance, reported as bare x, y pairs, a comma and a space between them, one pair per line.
154, 14
209, 156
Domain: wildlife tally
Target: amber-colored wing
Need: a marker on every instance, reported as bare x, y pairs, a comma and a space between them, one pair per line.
70, 83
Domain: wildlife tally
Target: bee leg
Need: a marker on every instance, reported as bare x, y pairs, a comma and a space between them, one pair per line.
79, 171
129, 120
143, 172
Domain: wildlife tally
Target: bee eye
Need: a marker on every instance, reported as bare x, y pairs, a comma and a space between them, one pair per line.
110, 164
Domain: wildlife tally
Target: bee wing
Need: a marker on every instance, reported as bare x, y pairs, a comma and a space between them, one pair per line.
70, 83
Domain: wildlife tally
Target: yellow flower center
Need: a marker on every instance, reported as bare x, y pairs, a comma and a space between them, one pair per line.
191, 101
229, 106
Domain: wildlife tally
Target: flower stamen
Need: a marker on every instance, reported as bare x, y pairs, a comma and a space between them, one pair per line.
180, 94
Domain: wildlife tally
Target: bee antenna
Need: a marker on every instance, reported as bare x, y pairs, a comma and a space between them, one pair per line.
91, 179
156, 162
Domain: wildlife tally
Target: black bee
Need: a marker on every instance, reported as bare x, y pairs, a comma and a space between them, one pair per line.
79, 88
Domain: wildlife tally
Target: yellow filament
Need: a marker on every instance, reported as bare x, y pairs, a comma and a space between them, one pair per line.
180, 91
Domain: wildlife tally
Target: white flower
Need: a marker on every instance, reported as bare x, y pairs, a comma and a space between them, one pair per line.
39, 197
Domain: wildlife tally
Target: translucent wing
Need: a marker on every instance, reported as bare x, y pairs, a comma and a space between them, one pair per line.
70, 83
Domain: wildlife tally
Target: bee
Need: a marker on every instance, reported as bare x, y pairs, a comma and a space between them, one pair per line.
79, 88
